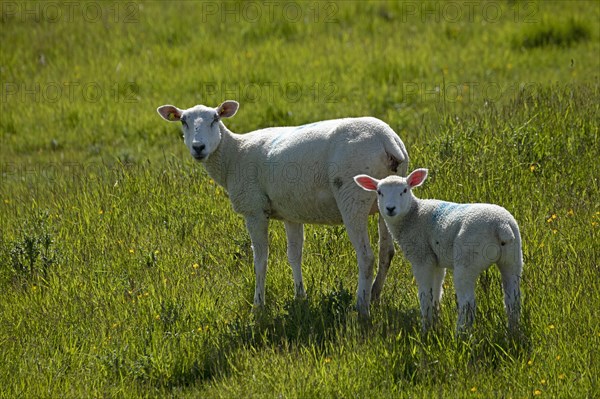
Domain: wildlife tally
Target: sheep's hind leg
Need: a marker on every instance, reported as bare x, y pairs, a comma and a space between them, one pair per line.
258, 227
359, 237
511, 279
295, 241
386, 253
356, 226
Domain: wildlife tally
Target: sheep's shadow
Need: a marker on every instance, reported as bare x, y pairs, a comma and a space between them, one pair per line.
324, 319
330, 317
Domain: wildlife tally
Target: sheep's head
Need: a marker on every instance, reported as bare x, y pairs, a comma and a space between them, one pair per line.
201, 125
394, 193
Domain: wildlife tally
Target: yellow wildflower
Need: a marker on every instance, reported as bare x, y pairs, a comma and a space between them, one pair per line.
537, 392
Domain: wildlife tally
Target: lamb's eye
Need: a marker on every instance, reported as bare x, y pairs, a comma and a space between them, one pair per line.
183, 122
215, 119
404, 191
379, 193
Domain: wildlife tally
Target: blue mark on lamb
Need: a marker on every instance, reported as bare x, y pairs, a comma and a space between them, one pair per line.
444, 209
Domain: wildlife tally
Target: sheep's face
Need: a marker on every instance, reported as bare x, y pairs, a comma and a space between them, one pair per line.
394, 197
394, 193
201, 125
201, 130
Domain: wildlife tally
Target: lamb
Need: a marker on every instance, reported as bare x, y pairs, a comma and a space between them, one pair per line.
435, 235
301, 174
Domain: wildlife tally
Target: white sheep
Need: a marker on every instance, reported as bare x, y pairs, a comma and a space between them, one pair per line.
300, 174
435, 235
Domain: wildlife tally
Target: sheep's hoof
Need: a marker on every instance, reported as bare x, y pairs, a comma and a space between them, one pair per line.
300, 295
364, 316
375, 295
258, 309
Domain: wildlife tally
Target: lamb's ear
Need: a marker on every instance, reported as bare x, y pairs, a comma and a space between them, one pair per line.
417, 177
366, 182
228, 109
170, 113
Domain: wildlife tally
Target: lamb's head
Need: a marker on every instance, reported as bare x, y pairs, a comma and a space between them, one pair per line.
394, 193
201, 125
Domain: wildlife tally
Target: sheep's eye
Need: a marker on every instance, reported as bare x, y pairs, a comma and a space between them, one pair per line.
183, 122
379, 192
215, 119
404, 191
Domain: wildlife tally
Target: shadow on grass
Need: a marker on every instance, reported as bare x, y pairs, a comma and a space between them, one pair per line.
331, 318
328, 318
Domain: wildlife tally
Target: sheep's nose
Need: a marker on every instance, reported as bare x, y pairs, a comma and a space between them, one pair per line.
390, 209
198, 147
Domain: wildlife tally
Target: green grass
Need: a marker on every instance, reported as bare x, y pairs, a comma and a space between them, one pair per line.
125, 273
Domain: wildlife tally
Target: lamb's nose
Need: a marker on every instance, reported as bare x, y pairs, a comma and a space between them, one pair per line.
198, 147
390, 209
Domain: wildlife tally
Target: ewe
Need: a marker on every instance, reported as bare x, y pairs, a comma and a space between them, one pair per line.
435, 235
299, 174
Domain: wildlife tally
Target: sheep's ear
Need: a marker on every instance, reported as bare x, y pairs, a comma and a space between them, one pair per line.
170, 113
417, 177
228, 109
366, 182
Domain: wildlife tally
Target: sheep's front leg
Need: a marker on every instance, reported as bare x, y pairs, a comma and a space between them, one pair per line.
439, 273
386, 253
295, 241
424, 273
259, 235
465, 278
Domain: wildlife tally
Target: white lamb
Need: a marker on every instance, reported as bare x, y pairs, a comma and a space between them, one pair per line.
435, 235
299, 174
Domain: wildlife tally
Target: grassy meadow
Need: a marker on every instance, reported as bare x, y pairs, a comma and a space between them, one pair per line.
124, 272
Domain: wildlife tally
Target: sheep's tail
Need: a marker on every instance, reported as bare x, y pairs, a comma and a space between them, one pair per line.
397, 156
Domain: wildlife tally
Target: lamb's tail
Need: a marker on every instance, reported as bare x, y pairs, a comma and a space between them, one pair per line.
397, 156
505, 232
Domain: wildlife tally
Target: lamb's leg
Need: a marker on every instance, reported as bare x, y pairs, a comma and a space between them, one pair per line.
295, 241
386, 253
511, 278
259, 234
424, 274
465, 278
